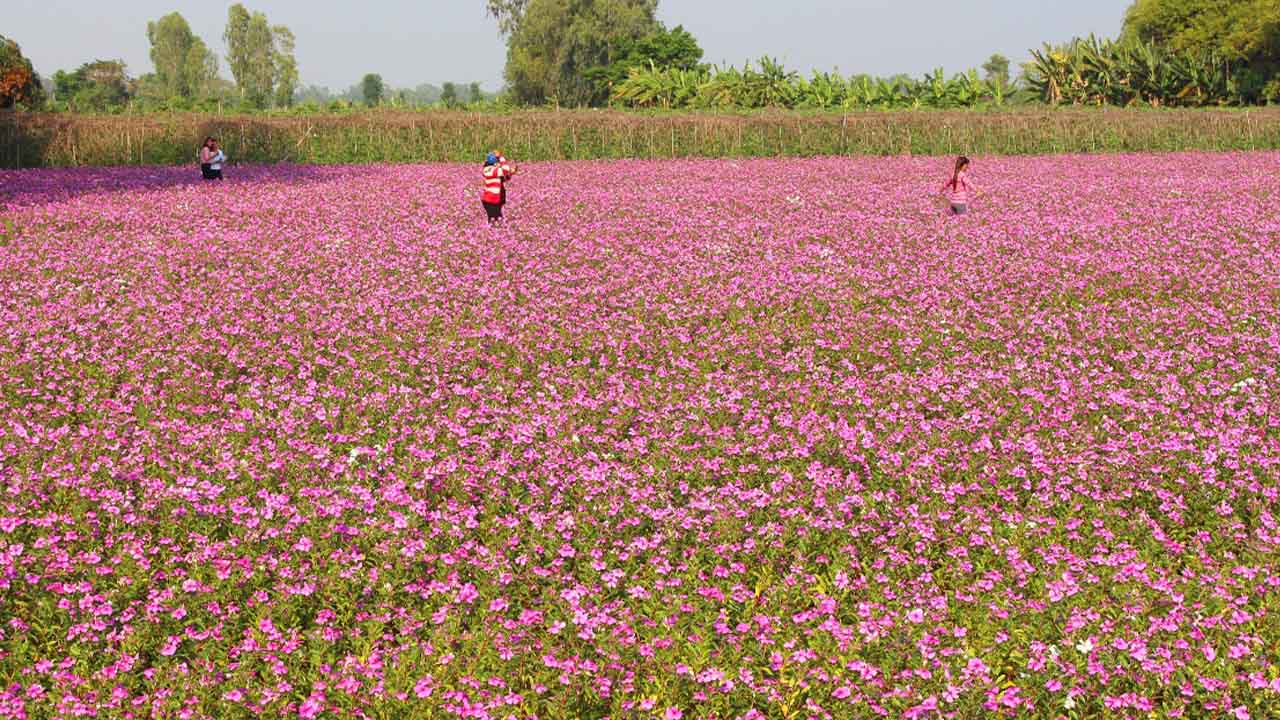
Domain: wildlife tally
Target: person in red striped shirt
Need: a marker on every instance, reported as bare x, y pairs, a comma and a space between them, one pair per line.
497, 171
958, 189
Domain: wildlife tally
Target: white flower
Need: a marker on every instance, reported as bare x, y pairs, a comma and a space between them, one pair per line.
1085, 646
1069, 703
1247, 382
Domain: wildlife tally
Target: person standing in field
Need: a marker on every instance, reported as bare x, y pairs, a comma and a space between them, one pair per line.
211, 159
959, 190
497, 171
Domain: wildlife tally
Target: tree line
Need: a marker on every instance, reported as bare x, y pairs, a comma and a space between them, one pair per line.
186, 75
371, 91
592, 53
185, 71
1169, 52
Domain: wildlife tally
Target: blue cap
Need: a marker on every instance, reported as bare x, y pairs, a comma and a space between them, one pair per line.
492, 159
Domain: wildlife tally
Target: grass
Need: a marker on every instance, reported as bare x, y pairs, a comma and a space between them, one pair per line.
65, 140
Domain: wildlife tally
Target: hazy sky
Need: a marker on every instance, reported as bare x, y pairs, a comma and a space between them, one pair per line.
414, 41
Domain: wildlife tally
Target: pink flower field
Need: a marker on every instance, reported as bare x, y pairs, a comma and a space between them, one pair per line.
703, 439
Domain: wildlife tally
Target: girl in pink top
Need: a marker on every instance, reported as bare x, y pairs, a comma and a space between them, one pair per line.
958, 189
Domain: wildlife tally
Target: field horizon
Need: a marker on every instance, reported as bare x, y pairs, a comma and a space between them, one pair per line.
53, 140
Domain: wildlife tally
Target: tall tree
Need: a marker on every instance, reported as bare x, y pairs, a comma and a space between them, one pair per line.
1241, 29
19, 84
996, 69
371, 89
474, 94
1246, 32
554, 44
184, 64
508, 13
239, 54
449, 95
662, 49
251, 54
284, 65
201, 70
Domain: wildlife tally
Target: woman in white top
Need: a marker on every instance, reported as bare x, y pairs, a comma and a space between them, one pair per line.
211, 159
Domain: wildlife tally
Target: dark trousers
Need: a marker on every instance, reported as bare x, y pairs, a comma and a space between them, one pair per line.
208, 173
494, 211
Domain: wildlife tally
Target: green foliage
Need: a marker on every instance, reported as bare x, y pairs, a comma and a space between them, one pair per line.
19, 84
315, 98
1104, 72
996, 69
662, 49
449, 96
554, 45
371, 88
261, 58
284, 65
98, 86
257, 84
239, 54
65, 84
317, 95
768, 84
508, 13
184, 65
1245, 33
1241, 30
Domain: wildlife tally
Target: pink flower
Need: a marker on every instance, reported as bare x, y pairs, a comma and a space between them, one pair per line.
673, 713
468, 593
424, 687
929, 705
280, 435
312, 706
170, 645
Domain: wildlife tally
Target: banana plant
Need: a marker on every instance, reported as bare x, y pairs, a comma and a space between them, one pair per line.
723, 90
822, 91
1085, 71
643, 87
1093, 71
997, 90
967, 89
862, 91
772, 86
937, 89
